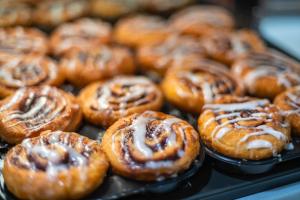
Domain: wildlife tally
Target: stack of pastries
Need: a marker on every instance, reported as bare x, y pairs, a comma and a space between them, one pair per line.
244, 95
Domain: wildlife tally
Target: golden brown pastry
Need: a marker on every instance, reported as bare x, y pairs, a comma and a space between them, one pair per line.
157, 58
244, 128
35, 109
86, 66
289, 103
140, 30
163, 5
56, 165
105, 102
194, 82
20, 40
266, 74
55, 12
150, 146
202, 20
27, 70
227, 47
82, 34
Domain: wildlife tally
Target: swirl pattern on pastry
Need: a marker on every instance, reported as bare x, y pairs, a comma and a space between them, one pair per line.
82, 34
150, 146
27, 70
55, 165
194, 82
269, 68
32, 110
244, 127
105, 102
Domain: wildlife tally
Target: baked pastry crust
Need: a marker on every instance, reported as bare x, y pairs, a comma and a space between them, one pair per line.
35, 109
202, 20
191, 83
140, 30
157, 58
27, 70
289, 103
56, 165
163, 5
20, 40
86, 66
244, 128
150, 146
82, 34
105, 102
258, 70
227, 47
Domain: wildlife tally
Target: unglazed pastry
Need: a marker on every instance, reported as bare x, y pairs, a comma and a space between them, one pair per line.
157, 58
105, 102
227, 47
82, 34
266, 74
56, 165
150, 146
27, 70
35, 109
140, 30
289, 103
19, 40
202, 20
86, 66
244, 127
194, 82
55, 12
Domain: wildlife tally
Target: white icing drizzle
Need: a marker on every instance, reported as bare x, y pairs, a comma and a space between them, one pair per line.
293, 101
258, 144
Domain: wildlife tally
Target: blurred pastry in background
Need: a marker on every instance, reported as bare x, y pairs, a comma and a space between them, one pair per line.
140, 30
85, 66
202, 20
81, 34
162, 5
55, 12
158, 57
227, 47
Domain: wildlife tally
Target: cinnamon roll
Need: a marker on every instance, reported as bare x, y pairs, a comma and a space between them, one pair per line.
289, 103
82, 34
27, 70
53, 13
150, 146
157, 58
55, 165
194, 82
105, 102
20, 40
140, 30
258, 70
35, 109
86, 66
244, 127
227, 47
202, 20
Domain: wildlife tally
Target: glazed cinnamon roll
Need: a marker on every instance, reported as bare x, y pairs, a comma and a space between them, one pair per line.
150, 146
55, 165
19, 40
289, 103
227, 47
140, 30
35, 109
194, 82
27, 70
86, 66
258, 70
157, 58
202, 20
82, 34
105, 102
244, 127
